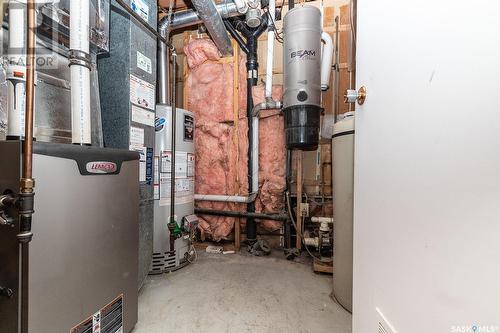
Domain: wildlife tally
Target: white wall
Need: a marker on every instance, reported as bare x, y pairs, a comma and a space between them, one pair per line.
427, 174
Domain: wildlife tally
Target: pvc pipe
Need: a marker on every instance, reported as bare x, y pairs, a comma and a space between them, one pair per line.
241, 6
16, 69
17, 28
270, 50
224, 198
80, 74
321, 219
326, 60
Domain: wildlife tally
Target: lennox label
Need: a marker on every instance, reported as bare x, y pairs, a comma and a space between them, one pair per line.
101, 167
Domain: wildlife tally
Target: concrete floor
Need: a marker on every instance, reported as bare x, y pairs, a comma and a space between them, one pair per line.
240, 293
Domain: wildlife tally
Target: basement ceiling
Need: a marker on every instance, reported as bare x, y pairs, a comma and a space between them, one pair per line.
178, 4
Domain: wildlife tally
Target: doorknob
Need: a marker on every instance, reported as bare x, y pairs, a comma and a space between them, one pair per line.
351, 95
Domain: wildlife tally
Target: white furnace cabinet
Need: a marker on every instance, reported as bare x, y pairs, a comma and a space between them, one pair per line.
427, 167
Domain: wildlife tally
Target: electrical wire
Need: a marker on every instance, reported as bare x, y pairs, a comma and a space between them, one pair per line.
195, 255
170, 11
192, 239
278, 35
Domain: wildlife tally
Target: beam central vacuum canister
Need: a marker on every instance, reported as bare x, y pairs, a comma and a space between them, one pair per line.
307, 67
171, 248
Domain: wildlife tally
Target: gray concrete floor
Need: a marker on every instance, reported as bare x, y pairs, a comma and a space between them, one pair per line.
240, 293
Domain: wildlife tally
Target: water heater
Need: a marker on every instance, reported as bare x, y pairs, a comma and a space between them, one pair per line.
307, 67
171, 254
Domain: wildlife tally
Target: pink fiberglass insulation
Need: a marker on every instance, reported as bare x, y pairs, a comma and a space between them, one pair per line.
200, 50
221, 142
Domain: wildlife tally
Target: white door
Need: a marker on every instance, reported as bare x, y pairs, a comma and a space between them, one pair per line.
427, 170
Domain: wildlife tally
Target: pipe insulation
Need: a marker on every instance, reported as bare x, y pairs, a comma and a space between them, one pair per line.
16, 70
80, 72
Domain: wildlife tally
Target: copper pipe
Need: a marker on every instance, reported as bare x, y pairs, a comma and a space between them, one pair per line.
27, 184
30, 96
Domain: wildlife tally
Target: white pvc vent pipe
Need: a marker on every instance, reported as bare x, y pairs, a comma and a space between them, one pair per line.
16, 69
326, 60
80, 74
270, 49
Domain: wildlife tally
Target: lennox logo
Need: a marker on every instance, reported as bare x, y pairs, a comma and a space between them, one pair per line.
303, 53
101, 167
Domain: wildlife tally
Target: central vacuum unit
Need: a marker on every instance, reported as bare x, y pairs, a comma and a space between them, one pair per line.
307, 68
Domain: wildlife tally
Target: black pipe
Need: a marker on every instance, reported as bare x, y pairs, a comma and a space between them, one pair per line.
291, 4
252, 65
236, 36
259, 216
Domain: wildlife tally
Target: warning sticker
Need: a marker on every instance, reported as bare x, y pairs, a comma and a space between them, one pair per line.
190, 165
142, 93
166, 161
181, 163
109, 319
184, 191
144, 63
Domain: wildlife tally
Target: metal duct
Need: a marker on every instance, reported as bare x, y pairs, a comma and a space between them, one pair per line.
163, 73
209, 14
191, 17
180, 20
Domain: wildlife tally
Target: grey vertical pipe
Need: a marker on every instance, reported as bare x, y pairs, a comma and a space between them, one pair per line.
214, 24
163, 73
173, 148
